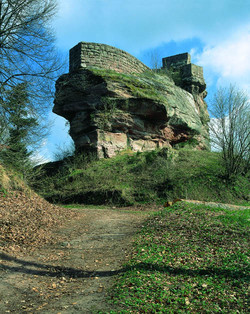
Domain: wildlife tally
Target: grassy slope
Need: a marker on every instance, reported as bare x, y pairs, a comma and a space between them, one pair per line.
188, 259
145, 85
152, 177
9, 180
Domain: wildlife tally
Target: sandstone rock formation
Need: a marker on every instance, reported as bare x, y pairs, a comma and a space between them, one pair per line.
114, 102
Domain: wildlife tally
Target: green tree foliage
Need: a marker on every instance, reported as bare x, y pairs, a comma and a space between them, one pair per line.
21, 129
230, 129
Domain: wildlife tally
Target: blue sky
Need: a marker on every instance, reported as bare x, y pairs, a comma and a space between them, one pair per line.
215, 32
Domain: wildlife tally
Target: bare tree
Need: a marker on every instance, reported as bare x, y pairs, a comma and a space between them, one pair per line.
230, 129
28, 54
26, 41
154, 59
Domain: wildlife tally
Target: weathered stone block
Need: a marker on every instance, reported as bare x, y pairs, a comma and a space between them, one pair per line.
109, 144
176, 61
192, 70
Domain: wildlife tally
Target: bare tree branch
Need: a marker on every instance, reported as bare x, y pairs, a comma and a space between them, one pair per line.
230, 129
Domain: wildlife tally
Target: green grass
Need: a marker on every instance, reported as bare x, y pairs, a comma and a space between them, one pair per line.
188, 259
146, 85
149, 177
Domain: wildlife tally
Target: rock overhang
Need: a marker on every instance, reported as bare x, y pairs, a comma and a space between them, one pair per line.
114, 106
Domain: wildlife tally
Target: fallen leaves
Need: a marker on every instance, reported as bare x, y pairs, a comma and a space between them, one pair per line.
54, 285
27, 220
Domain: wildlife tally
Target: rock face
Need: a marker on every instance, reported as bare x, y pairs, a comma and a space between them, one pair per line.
114, 102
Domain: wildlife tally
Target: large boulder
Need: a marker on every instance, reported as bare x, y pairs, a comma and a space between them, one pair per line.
110, 111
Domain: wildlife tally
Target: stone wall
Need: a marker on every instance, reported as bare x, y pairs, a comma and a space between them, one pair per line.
176, 61
183, 62
87, 55
187, 75
192, 70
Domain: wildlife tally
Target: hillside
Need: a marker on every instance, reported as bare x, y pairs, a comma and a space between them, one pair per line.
135, 178
187, 257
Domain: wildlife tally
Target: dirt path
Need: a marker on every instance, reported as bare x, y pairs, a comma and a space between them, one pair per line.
72, 276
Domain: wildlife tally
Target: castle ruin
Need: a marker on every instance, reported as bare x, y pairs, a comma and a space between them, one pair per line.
93, 55
86, 55
191, 75
109, 113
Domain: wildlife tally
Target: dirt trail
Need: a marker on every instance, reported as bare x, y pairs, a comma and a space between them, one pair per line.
72, 276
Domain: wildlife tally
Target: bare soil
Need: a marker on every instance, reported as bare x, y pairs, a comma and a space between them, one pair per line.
74, 274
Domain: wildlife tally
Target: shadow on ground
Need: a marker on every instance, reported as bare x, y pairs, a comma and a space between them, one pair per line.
38, 269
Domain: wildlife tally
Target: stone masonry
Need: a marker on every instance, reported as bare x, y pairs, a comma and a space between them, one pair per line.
87, 55
176, 61
191, 74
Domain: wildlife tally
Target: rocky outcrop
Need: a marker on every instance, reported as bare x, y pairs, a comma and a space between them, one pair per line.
111, 111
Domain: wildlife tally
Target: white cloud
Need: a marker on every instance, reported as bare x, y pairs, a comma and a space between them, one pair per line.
42, 155
57, 141
39, 159
59, 138
228, 60
137, 25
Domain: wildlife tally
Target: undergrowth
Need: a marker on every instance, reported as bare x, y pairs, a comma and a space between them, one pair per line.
188, 259
149, 177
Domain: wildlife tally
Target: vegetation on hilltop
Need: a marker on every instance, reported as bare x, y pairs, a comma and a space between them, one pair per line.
144, 85
149, 177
